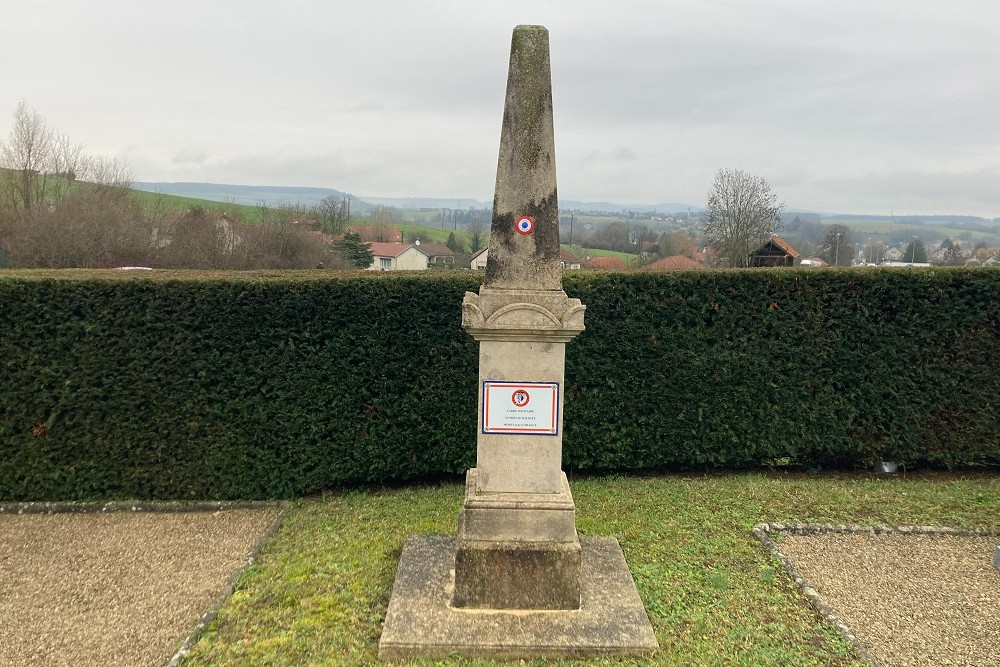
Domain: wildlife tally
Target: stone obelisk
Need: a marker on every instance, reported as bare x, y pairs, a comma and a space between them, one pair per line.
517, 546
517, 582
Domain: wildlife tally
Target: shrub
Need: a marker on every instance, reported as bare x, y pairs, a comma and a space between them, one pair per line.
262, 385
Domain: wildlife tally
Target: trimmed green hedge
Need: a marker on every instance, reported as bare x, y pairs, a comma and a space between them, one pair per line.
273, 385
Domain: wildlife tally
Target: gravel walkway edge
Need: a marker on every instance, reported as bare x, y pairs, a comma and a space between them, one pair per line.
227, 590
165, 506
171, 507
763, 531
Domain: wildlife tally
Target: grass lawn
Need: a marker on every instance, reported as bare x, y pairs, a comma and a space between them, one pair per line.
318, 593
583, 253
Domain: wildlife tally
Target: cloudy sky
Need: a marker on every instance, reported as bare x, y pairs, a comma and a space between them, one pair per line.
850, 106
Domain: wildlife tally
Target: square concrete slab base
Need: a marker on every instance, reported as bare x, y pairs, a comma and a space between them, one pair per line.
421, 622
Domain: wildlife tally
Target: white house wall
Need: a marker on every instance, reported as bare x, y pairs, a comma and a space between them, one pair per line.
411, 259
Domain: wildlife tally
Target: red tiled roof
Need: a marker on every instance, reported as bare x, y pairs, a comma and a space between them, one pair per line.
674, 263
369, 233
783, 244
610, 263
387, 249
566, 257
435, 250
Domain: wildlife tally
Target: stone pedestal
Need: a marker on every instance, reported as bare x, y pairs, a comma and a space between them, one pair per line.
517, 550
522, 336
517, 546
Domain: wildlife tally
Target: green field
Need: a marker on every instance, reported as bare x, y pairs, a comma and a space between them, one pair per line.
155, 203
583, 253
875, 227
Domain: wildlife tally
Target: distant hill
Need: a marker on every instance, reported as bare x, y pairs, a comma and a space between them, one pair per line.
427, 202
961, 221
669, 207
272, 195
564, 204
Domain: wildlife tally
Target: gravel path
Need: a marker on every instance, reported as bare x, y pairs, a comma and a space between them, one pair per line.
114, 588
909, 599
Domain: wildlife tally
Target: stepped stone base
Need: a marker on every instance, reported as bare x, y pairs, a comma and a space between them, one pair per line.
421, 621
517, 550
517, 575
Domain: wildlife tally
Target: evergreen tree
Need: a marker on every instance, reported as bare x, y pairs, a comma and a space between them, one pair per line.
454, 244
354, 250
915, 253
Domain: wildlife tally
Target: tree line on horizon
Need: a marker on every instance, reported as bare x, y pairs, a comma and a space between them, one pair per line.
60, 208
63, 208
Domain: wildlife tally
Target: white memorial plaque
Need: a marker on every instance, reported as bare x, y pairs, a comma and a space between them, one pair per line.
521, 408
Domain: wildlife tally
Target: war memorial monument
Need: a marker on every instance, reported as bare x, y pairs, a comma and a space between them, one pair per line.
517, 581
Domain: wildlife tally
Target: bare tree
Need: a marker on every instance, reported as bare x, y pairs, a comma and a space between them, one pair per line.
332, 213
382, 224
66, 163
42, 166
874, 251
836, 247
27, 154
676, 243
743, 212
90, 228
108, 173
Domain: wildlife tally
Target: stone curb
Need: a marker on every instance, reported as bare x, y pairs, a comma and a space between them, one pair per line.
133, 506
763, 531
227, 590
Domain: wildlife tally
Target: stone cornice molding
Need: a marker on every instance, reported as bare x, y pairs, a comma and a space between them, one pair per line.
516, 315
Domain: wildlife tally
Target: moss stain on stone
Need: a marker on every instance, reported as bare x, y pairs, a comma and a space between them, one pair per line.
529, 92
526, 172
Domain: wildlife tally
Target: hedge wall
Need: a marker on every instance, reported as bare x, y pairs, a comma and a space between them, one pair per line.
275, 385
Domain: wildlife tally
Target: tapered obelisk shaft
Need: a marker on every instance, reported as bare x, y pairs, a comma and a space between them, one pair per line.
526, 173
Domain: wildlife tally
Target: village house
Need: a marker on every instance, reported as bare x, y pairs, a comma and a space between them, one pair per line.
775, 252
437, 254
396, 257
568, 260
478, 259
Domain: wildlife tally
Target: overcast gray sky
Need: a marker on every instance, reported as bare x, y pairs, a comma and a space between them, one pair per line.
850, 106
